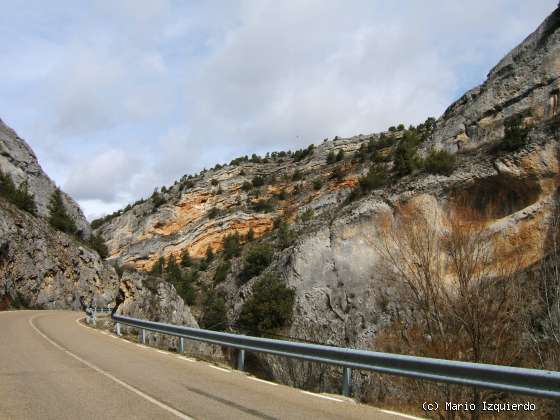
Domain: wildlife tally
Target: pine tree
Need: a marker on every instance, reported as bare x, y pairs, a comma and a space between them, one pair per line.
59, 218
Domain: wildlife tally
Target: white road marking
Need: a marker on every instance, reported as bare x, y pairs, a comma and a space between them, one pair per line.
262, 380
188, 359
406, 416
162, 352
108, 375
219, 368
142, 346
326, 397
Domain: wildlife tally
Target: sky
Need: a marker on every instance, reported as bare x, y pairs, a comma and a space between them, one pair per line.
117, 97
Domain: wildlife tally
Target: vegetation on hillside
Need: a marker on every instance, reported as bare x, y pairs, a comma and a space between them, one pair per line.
19, 196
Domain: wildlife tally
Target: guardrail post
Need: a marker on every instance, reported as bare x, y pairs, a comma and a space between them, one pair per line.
241, 360
346, 381
143, 333
118, 328
181, 344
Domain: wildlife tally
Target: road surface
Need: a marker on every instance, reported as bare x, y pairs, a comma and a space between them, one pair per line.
52, 367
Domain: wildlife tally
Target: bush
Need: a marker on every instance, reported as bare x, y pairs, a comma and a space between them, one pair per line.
375, 178
317, 184
97, 243
21, 197
285, 236
515, 135
59, 218
440, 162
232, 246
186, 260
158, 266
258, 181
214, 182
221, 272
247, 186
297, 175
262, 206
340, 155
258, 258
307, 215
405, 156
215, 314
269, 307
213, 213
331, 157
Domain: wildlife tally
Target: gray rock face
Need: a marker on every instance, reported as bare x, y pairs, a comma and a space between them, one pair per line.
43, 268
141, 296
18, 160
526, 81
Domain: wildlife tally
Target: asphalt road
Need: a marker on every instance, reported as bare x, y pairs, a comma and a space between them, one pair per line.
52, 367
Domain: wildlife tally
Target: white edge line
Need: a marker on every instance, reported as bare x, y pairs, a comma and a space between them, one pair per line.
322, 396
219, 368
396, 413
188, 359
262, 380
113, 378
162, 352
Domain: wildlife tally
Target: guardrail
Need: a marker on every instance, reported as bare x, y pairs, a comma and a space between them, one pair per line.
541, 383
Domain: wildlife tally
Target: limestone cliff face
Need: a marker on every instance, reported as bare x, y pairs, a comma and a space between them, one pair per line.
525, 82
18, 160
43, 268
334, 267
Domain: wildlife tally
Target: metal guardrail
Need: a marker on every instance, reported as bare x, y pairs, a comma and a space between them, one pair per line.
541, 383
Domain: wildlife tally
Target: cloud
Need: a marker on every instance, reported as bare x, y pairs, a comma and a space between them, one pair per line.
106, 177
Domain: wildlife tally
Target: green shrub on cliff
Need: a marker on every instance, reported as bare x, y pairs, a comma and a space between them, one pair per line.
258, 258
19, 196
439, 162
58, 217
269, 307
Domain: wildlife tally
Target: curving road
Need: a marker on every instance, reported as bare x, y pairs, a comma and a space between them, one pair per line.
52, 367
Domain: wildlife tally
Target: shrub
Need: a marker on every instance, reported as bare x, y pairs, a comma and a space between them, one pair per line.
405, 160
250, 235
186, 260
340, 155
515, 135
440, 162
281, 195
303, 153
258, 258
392, 129
375, 178
247, 186
157, 199
209, 254
58, 217
269, 307
213, 213
215, 314
97, 243
400, 127
258, 181
158, 266
263, 206
331, 157
307, 215
214, 182
20, 196
338, 174
317, 184
232, 246
284, 236
221, 272
297, 175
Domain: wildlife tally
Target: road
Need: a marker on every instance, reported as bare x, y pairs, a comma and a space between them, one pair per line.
53, 367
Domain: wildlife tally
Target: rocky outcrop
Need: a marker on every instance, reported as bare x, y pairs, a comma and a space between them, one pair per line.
18, 160
146, 297
525, 82
43, 268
